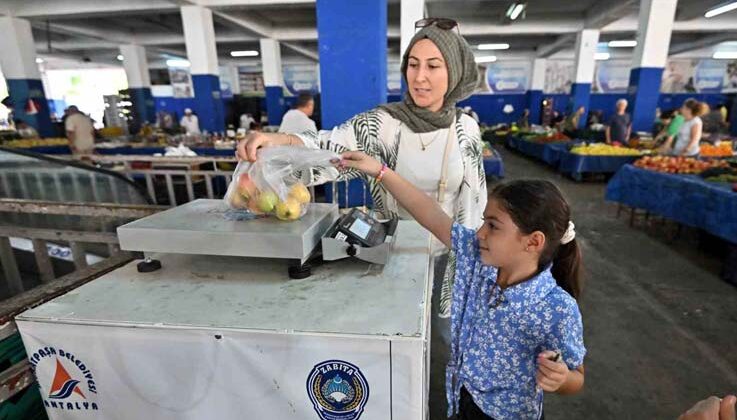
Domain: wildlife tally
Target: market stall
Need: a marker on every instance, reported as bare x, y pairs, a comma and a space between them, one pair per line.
687, 199
220, 335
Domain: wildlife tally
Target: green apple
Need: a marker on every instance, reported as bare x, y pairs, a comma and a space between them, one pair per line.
266, 201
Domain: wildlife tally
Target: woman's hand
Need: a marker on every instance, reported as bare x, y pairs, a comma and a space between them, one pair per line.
712, 408
550, 375
361, 162
247, 148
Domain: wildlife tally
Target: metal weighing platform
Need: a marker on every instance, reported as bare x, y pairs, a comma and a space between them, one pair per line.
233, 337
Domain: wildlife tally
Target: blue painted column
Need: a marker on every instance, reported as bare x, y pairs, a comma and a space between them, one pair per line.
18, 63
273, 80
199, 35
586, 43
352, 41
535, 94
651, 53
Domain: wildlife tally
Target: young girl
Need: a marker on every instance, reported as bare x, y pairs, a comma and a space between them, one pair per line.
516, 329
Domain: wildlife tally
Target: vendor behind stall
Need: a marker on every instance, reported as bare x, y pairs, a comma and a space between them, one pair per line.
672, 121
190, 123
620, 124
80, 132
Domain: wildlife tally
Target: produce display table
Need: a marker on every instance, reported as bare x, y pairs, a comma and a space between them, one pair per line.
687, 199
493, 166
233, 337
546, 152
576, 165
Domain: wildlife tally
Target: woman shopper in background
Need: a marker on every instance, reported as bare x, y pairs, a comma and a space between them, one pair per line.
425, 138
689, 135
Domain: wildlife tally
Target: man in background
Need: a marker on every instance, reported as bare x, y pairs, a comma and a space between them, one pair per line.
620, 125
298, 120
80, 132
190, 123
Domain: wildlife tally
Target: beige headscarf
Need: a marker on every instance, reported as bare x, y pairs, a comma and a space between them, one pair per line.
462, 79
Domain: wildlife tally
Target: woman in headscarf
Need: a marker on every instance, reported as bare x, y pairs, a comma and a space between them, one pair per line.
424, 138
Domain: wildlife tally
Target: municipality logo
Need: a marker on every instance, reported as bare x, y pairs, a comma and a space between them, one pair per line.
338, 390
63, 385
68, 392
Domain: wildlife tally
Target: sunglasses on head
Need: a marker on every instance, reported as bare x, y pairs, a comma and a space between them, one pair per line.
442, 23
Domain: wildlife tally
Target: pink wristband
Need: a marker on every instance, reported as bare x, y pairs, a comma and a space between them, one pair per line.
382, 172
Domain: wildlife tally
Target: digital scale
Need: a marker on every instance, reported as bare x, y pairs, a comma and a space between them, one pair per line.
201, 227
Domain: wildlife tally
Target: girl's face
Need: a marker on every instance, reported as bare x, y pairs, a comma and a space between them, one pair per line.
686, 112
500, 240
427, 75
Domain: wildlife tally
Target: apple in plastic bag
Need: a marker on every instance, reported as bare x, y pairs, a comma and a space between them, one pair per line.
246, 187
237, 201
289, 209
266, 201
300, 193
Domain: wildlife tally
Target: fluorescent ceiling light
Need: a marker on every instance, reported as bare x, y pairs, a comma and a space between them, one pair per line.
39, 60
486, 59
247, 53
722, 8
725, 55
601, 56
500, 46
177, 62
517, 11
120, 57
623, 43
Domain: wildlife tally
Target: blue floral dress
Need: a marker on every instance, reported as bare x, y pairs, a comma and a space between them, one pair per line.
497, 334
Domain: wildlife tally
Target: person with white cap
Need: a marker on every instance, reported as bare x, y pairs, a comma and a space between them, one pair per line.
190, 122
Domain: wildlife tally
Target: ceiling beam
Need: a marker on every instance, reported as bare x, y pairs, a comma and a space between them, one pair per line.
598, 17
307, 52
562, 42
252, 25
703, 42
86, 8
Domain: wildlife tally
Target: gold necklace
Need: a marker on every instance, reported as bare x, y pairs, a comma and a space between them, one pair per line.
425, 146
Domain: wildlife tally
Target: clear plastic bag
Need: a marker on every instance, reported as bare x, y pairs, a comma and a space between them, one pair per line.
270, 185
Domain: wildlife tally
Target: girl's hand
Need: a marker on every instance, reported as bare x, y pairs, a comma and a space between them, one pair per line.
361, 162
550, 375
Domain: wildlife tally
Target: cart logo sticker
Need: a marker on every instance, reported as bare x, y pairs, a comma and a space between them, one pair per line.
68, 392
63, 384
338, 390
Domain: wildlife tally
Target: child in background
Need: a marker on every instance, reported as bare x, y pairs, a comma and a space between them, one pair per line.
516, 329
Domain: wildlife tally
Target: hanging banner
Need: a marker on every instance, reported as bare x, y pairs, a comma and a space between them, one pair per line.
730, 77
181, 82
709, 76
559, 76
301, 78
508, 76
138, 372
611, 76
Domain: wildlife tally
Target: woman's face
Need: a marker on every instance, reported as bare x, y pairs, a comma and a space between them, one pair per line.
427, 75
686, 112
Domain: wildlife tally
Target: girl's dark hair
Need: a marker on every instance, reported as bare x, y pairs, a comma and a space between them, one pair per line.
697, 108
536, 205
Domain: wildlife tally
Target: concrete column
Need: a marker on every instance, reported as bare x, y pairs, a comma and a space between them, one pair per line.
18, 63
273, 80
234, 77
648, 62
586, 42
199, 36
139, 82
535, 94
410, 12
351, 82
